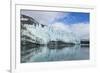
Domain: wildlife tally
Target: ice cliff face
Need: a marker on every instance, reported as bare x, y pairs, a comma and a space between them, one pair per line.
34, 32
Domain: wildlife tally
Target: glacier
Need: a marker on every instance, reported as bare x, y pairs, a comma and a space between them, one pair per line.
44, 33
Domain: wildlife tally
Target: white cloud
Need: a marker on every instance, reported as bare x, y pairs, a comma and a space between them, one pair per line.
80, 30
61, 26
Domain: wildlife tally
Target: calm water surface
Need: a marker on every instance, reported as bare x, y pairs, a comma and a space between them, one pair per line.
44, 54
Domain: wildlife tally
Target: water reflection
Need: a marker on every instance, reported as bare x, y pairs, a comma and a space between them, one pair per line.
44, 53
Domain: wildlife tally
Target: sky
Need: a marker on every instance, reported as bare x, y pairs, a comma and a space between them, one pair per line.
77, 22
75, 17
47, 17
